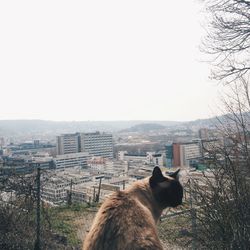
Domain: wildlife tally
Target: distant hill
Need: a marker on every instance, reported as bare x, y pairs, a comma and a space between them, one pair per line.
202, 122
23, 127
51, 128
145, 127
215, 121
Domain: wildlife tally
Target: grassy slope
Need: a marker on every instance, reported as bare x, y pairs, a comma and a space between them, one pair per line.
71, 222
74, 222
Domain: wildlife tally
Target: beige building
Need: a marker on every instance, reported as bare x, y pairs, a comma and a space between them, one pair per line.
189, 152
55, 189
68, 143
97, 144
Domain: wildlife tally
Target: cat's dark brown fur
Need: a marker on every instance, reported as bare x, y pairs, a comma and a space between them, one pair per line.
127, 219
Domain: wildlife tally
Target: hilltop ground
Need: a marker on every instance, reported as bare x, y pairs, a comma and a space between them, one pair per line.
72, 223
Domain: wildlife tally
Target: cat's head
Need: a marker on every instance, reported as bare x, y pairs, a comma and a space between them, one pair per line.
166, 189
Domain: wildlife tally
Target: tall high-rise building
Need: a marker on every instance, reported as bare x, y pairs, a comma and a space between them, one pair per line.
97, 144
68, 143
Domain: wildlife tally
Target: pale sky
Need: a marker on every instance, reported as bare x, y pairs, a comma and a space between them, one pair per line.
103, 60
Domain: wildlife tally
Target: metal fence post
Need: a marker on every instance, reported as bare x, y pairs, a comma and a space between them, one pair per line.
193, 218
38, 212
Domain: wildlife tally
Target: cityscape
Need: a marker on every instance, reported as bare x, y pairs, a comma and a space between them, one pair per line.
125, 125
76, 162
74, 169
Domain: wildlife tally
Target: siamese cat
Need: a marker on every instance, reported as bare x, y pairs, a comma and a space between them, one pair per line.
127, 219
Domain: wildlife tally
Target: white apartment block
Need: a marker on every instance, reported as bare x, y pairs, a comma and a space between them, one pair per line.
55, 189
87, 192
97, 144
68, 143
72, 160
188, 152
125, 156
150, 158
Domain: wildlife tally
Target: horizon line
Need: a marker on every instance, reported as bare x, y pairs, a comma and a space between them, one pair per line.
119, 120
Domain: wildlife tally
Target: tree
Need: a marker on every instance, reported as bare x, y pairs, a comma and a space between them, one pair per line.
223, 194
228, 38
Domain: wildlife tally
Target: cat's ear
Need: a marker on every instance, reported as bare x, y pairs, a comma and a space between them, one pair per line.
175, 175
156, 177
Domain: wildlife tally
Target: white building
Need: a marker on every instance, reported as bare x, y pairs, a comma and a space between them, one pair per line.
150, 158
72, 160
189, 152
155, 159
125, 156
68, 143
97, 144
55, 188
87, 192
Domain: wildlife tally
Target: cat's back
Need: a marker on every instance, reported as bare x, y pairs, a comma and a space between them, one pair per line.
122, 222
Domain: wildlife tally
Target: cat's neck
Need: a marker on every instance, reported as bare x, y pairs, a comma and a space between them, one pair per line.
142, 191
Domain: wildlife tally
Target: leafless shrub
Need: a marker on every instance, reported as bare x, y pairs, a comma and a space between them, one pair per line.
222, 195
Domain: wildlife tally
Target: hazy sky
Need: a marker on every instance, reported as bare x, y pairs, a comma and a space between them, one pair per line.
103, 60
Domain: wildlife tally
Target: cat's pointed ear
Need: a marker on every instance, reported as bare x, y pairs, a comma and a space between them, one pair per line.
156, 177
175, 175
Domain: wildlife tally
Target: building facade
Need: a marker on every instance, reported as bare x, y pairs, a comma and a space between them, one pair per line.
72, 160
150, 158
169, 155
184, 153
68, 143
97, 144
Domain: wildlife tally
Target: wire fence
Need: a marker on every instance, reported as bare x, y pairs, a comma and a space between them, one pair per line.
178, 226
183, 221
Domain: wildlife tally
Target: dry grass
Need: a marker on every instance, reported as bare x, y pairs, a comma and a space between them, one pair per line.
74, 223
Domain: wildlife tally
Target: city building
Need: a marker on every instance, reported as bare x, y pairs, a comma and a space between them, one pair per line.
55, 188
42, 163
24, 164
79, 185
155, 159
1, 162
150, 158
97, 144
185, 153
30, 147
68, 143
134, 157
169, 155
139, 172
2, 142
88, 192
72, 160
176, 154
